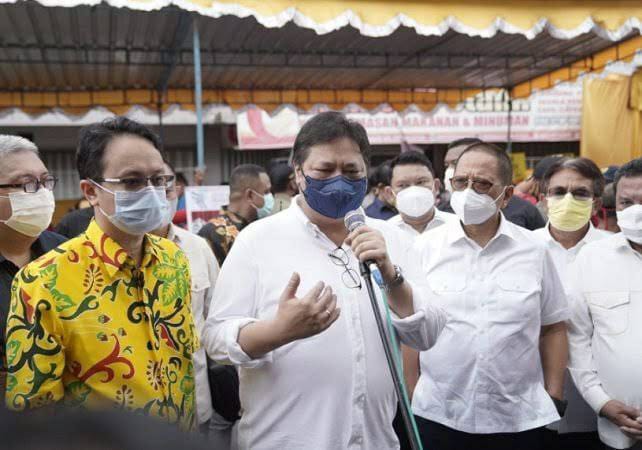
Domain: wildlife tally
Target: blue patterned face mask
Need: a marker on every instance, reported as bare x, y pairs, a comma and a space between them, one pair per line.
138, 212
334, 197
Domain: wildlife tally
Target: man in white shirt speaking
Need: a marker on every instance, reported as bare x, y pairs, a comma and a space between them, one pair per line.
573, 189
290, 310
604, 333
490, 380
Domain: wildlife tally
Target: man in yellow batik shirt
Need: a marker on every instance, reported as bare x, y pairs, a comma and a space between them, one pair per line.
104, 320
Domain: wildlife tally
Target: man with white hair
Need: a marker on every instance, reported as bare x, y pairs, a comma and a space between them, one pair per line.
26, 207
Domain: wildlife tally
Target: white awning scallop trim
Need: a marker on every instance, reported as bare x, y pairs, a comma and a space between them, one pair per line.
350, 18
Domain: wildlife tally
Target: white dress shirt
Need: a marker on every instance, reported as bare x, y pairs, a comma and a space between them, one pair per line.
204, 271
484, 374
440, 218
579, 416
605, 342
326, 392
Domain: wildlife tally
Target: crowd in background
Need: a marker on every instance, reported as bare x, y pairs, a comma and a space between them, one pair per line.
515, 300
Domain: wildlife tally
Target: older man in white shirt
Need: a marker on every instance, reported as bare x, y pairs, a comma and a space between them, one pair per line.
606, 299
289, 308
573, 188
490, 380
204, 272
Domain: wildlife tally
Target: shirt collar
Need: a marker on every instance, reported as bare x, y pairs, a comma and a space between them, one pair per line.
298, 213
113, 256
171, 234
456, 231
591, 235
623, 244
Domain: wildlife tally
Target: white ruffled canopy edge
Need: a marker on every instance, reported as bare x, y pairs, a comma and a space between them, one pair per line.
348, 17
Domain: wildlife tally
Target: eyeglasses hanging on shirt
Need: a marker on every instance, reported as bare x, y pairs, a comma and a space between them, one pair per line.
349, 277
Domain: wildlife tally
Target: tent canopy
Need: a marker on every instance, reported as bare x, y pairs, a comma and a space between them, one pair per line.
77, 54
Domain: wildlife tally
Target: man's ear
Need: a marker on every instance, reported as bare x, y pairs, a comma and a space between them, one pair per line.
436, 187
508, 193
299, 178
388, 194
88, 190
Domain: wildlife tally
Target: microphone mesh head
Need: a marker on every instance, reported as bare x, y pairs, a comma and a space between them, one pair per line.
354, 219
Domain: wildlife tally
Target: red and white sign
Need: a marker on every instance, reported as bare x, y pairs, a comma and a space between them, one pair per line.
552, 115
203, 203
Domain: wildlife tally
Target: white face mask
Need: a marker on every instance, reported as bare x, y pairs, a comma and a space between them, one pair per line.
450, 172
30, 213
415, 201
630, 222
473, 208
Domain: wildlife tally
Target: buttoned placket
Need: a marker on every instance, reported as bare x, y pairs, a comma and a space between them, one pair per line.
480, 290
350, 309
138, 274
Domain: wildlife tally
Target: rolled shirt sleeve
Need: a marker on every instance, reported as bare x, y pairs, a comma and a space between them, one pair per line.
233, 307
421, 329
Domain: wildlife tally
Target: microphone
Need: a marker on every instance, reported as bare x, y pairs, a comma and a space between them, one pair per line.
353, 220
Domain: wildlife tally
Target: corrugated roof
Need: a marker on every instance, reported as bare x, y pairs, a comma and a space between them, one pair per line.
101, 47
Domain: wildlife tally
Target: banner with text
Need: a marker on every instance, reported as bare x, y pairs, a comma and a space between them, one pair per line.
551, 115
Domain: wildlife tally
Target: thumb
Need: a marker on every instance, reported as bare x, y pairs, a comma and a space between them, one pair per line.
291, 288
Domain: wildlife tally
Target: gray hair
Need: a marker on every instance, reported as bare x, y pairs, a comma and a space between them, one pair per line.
11, 144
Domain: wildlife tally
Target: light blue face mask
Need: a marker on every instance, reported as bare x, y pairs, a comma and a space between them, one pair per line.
268, 205
138, 212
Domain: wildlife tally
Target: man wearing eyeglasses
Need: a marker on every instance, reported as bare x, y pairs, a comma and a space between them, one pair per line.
290, 310
26, 207
495, 375
104, 321
573, 188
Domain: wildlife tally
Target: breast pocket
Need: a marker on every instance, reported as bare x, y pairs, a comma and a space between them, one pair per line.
610, 311
516, 299
450, 293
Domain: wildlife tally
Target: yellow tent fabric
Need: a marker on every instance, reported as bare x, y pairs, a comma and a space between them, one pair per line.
610, 129
564, 19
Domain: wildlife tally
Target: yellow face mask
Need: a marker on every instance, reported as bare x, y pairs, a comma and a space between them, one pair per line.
568, 214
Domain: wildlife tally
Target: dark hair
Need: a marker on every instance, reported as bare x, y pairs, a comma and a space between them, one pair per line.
245, 176
583, 166
464, 141
383, 173
180, 178
411, 158
629, 170
280, 176
94, 138
543, 165
503, 160
327, 127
